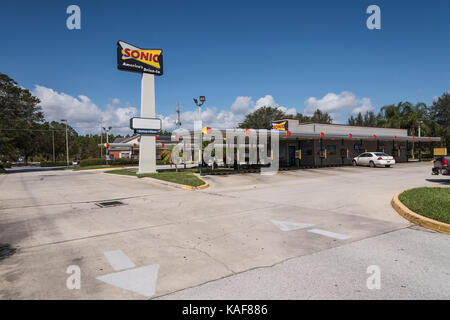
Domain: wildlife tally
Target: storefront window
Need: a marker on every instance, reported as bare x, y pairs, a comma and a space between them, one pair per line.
307, 151
331, 150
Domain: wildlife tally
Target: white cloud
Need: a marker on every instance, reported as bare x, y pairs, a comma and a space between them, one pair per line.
241, 105
336, 104
85, 116
211, 117
223, 119
269, 101
82, 113
364, 106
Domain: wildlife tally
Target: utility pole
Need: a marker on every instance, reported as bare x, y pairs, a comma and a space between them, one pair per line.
178, 116
53, 143
178, 126
107, 140
101, 141
67, 141
420, 146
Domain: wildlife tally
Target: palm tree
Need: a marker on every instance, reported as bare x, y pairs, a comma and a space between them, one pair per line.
166, 156
391, 115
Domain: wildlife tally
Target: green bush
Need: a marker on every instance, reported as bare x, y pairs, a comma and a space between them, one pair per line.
115, 162
53, 164
92, 162
123, 161
5, 165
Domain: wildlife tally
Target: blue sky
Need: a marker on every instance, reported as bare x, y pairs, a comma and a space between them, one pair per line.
292, 54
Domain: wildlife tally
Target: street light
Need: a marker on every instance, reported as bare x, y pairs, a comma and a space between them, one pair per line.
67, 142
107, 140
101, 141
420, 146
199, 105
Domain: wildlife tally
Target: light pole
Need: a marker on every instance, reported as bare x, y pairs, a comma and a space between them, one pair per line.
107, 140
420, 145
67, 142
200, 156
101, 141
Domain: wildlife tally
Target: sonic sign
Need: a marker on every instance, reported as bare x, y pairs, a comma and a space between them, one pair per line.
131, 58
149, 63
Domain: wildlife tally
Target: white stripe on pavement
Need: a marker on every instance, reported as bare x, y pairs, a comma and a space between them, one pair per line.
330, 234
118, 260
289, 226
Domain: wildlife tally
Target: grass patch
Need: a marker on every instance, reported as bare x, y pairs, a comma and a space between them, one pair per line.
433, 203
181, 177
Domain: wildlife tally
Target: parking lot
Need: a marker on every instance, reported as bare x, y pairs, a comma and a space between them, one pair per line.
299, 234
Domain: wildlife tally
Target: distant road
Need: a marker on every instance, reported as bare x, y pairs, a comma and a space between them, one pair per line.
30, 169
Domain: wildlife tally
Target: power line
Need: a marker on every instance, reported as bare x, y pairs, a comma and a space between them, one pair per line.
26, 129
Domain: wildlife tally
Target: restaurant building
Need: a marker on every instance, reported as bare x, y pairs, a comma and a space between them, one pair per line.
313, 144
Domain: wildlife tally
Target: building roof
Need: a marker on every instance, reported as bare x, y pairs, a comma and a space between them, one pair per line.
120, 140
333, 124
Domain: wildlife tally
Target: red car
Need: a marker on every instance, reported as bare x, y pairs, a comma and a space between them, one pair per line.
441, 166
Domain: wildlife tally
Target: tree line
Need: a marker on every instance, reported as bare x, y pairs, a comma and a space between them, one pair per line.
25, 134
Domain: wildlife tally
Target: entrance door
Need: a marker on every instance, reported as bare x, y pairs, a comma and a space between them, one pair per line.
291, 155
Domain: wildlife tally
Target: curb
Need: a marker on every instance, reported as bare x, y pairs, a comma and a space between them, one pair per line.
410, 215
203, 186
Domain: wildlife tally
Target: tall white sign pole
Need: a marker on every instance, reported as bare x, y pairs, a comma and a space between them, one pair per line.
147, 145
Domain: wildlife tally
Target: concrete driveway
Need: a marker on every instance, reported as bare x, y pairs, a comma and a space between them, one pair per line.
250, 233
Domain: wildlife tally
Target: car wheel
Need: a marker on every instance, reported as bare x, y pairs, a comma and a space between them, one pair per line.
388, 166
372, 164
354, 163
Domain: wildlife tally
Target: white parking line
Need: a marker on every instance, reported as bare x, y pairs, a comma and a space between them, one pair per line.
330, 234
289, 226
118, 260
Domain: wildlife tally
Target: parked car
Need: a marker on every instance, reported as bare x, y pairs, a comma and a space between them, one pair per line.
440, 166
374, 159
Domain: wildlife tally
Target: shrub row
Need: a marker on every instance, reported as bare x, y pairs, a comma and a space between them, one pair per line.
123, 161
92, 162
120, 161
53, 164
5, 165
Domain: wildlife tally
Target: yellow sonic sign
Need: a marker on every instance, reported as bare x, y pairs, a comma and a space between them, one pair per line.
132, 58
279, 126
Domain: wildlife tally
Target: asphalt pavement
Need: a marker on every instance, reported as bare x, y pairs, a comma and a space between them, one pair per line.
301, 234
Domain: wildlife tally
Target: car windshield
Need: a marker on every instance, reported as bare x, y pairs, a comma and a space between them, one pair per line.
381, 154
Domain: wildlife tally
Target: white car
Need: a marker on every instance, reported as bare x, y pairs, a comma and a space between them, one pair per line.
373, 159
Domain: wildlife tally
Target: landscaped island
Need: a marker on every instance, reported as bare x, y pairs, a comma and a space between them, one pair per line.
433, 203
